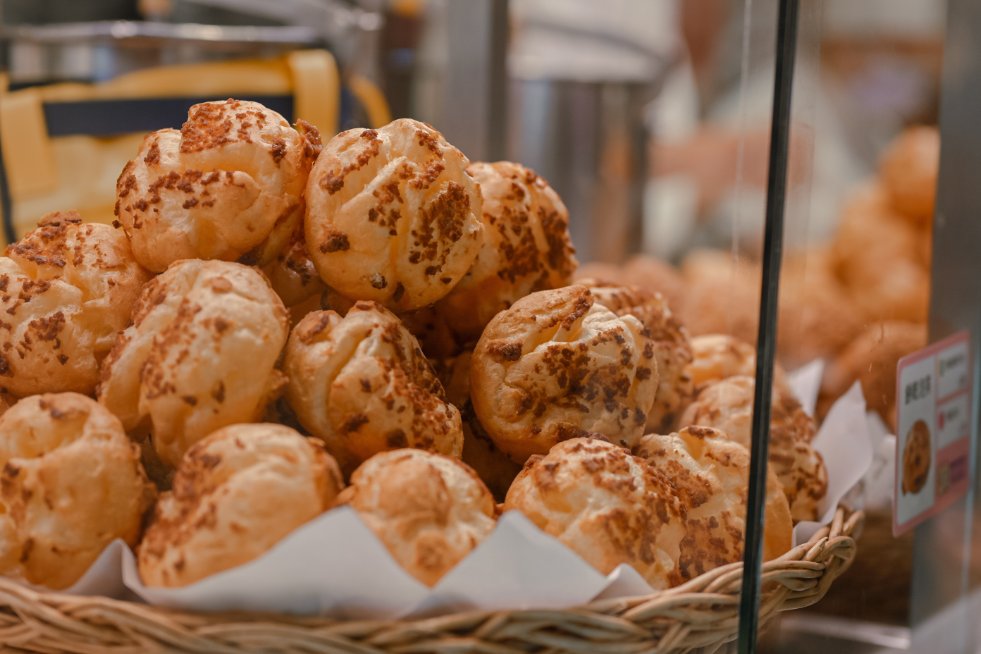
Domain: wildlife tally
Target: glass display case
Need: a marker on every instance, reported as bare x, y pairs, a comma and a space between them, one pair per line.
792, 178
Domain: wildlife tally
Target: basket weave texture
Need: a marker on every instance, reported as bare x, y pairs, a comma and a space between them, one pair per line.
699, 615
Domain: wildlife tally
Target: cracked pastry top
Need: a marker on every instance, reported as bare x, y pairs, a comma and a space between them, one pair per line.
201, 354
525, 247
727, 405
361, 383
710, 473
392, 215
66, 289
236, 493
228, 185
429, 510
605, 504
71, 483
672, 349
558, 365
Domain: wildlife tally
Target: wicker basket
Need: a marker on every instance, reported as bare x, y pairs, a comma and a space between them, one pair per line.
700, 614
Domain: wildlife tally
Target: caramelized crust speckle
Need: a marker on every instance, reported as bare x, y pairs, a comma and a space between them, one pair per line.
397, 203
361, 383
557, 364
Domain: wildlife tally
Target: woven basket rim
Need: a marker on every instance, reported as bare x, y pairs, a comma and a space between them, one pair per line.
701, 613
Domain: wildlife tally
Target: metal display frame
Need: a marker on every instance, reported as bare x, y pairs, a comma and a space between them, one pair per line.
766, 343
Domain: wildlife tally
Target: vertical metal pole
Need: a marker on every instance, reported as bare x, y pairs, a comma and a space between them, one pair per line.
749, 601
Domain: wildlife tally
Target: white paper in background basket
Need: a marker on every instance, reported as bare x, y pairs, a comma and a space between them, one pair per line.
806, 384
879, 482
843, 440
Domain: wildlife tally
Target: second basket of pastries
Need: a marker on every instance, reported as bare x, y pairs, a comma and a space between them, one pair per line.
348, 396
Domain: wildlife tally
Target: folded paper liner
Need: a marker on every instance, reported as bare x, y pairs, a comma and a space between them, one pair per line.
335, 566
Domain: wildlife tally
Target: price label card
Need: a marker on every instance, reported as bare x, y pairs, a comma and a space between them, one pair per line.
933, 407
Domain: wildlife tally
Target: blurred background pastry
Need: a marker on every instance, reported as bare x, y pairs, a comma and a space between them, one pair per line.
361, 383
722, 295
719, 356
423, 227
657, 275
525, 247
879, 257
816, 316
871, 359
558, 365
67, 289
228, 185
201, 354
643, 271
429, 510
908, 169
71, 483
236, 494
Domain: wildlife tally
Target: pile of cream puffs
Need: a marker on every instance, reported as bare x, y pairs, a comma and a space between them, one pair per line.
274, 327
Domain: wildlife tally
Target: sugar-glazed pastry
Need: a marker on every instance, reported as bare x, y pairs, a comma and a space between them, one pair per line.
557, 365
201, 354
605, 504
227, 185
526, 247
392, 215
66, 289
672, 349
727, 405
71, 483
236, 494
711, 476
362, 384
429, 510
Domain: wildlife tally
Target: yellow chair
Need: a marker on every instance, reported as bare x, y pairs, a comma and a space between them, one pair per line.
62, 146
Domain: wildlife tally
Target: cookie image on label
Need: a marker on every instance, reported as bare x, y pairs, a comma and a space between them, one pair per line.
916, 458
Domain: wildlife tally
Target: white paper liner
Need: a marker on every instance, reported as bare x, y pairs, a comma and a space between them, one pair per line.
806, 384
843, 441
335, 566
878, 485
